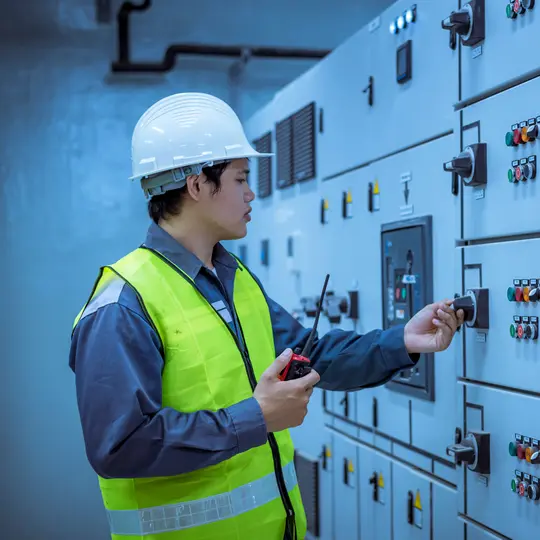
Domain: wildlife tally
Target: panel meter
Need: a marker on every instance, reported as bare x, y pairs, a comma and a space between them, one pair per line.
407, 286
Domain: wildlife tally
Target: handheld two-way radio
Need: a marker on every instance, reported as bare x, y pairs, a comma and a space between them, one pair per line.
299, 364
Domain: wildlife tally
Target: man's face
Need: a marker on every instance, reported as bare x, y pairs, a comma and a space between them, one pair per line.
227, 211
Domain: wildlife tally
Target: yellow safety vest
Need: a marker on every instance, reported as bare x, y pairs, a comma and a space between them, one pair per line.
246, 496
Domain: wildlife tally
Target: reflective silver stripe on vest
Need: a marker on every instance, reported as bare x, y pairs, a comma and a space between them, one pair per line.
109, 295
175, 517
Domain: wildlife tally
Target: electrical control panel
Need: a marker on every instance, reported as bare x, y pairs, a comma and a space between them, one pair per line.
426, 189
407, 265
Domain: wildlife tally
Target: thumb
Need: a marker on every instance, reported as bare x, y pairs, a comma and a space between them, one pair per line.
279, 363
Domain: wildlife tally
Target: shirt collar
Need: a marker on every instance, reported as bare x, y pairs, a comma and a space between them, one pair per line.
160, 240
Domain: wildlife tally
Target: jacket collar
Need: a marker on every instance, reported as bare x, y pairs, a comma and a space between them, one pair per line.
161, 241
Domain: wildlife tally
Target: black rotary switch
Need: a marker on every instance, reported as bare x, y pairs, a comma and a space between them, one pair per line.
475, 306
469, 22
468, 305
458, 21
470, 165
533, 295
462, 165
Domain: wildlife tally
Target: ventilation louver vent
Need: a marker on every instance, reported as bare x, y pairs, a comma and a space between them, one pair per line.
307, 471
284, 151
304, 144
264, 145
295, 138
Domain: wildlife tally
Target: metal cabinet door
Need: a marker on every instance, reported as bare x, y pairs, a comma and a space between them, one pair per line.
346, 498
375, 496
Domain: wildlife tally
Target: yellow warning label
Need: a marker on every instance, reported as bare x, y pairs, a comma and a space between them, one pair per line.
417, 502
328, 452
381, 481
326, 204
349, 197
351, 467
376, 188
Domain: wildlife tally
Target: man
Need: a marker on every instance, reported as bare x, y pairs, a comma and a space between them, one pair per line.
184, 418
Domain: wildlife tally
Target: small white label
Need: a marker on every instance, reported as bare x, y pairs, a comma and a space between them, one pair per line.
481, 337
381, 495
479, 194
376, 202
400, 313
374, 24
418, 518
406, 177
406, 210
477, 51
409, 278
482, 480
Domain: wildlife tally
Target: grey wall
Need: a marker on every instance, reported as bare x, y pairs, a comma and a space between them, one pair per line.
67, 208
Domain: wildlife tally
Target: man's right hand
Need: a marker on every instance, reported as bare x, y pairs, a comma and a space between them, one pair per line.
284, 403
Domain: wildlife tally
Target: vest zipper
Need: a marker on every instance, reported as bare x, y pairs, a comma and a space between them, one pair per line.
290, 528
290, 531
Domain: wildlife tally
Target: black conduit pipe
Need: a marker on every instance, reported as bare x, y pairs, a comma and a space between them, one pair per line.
124, 64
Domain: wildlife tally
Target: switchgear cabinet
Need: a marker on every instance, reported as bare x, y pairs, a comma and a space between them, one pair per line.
422, 145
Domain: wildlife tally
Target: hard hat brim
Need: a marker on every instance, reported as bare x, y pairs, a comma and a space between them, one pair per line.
255, 155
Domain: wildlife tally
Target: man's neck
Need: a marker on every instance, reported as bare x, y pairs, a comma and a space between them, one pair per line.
193, 238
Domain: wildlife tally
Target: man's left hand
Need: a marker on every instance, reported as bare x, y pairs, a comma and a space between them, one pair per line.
432, 328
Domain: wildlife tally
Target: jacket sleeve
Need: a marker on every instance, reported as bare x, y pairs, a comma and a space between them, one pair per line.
115, 355
345, 360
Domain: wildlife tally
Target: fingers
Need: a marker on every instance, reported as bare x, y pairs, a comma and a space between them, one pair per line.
279, 364
311, 379
448, 316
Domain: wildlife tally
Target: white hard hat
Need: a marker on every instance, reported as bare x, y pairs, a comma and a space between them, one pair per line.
181, 134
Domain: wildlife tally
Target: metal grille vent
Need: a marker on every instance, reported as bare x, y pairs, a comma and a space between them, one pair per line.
284, 151
304, 143
264, 145
307, 471
295, 137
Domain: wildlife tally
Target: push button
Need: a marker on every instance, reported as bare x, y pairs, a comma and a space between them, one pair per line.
520, 451
511, 294
517, 136
512, 449
522, 488
510, 139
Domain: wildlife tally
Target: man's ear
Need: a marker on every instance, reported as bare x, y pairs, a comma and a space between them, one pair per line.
193, 186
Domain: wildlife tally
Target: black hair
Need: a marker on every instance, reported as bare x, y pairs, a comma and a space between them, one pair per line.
170, 202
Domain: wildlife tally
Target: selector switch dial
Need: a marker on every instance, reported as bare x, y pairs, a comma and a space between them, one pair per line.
529, 171
533, 492
533, 295
532, 132
531, 331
